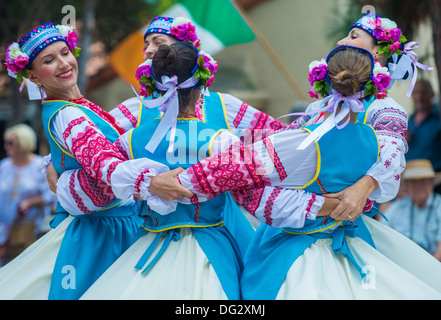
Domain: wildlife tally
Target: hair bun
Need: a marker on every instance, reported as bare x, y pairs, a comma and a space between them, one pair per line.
346, 82
166, 58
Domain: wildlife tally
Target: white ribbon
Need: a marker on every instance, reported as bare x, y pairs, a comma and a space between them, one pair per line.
169, 104
351, 103
408, 49
34, 92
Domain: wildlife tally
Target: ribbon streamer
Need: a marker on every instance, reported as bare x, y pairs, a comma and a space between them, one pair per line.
330, 104
169, 104
408, 49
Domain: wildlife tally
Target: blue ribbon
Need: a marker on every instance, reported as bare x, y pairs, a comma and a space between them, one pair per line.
171, 235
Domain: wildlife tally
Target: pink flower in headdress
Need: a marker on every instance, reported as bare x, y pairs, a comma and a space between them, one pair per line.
394, 47
376, 22
317, 73
210, 63
381, 81
380, 95
396, 34
210, 81
15, 60
185, 32
197, 44
381, 34
71, 40
143, 70
313, 94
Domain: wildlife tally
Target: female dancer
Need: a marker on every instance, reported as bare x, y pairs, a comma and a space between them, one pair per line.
178, 257
68, 259
340, 157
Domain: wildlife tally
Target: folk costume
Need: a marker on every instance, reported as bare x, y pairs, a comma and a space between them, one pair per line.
70, 257
319, 258
178, 253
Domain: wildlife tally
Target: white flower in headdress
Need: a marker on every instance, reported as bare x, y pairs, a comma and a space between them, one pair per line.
64, 30
15, 52
380, 69
180, 21
388, 24
317, 63
147, 63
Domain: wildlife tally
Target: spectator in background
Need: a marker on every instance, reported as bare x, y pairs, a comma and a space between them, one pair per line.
24, 191
424, 132
418, 216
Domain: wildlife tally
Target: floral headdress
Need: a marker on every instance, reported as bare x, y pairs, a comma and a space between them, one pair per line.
319, 80
21, 55
392, 43
389, 37
321, 84
181, 28
204, 70
202, 75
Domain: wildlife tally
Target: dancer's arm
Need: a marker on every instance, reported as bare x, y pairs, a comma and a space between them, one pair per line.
78, 192
382, 181
274, 160
247, 121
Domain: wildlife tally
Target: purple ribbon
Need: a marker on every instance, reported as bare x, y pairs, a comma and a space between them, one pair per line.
350, 103
408, 49
169, 104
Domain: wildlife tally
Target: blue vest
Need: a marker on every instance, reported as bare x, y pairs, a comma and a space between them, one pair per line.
277, 249
192, 144
358, 150
61, 158
93, 242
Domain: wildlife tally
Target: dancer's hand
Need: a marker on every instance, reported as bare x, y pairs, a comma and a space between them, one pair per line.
328, 207
52, 178
167, 186
353, 199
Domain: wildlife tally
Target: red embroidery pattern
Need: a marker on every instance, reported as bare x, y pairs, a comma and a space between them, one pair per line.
92, 150
240, 115
95, 108
275, 158
368, 206
121, 149
320, 184
232, 170
391, 122
128, 115
140, 180
100, 194
198, 207
249, 199
72, 124
77, 198
310, 203
269, 206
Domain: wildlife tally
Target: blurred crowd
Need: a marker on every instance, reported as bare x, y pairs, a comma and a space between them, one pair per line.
26, 201
416, 211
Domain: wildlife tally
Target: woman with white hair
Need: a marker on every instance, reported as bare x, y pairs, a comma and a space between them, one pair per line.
24, 191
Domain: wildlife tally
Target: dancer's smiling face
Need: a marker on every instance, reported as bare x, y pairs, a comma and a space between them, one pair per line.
55, 68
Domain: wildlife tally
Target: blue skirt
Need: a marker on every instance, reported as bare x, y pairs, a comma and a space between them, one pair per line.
91, 244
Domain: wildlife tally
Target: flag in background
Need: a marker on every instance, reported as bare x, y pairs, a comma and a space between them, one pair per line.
218, 25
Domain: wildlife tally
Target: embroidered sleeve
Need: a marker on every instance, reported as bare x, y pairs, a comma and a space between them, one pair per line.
126, 114
83, 140
247, 121
79, 193
390, 123
272, 161
280, 207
